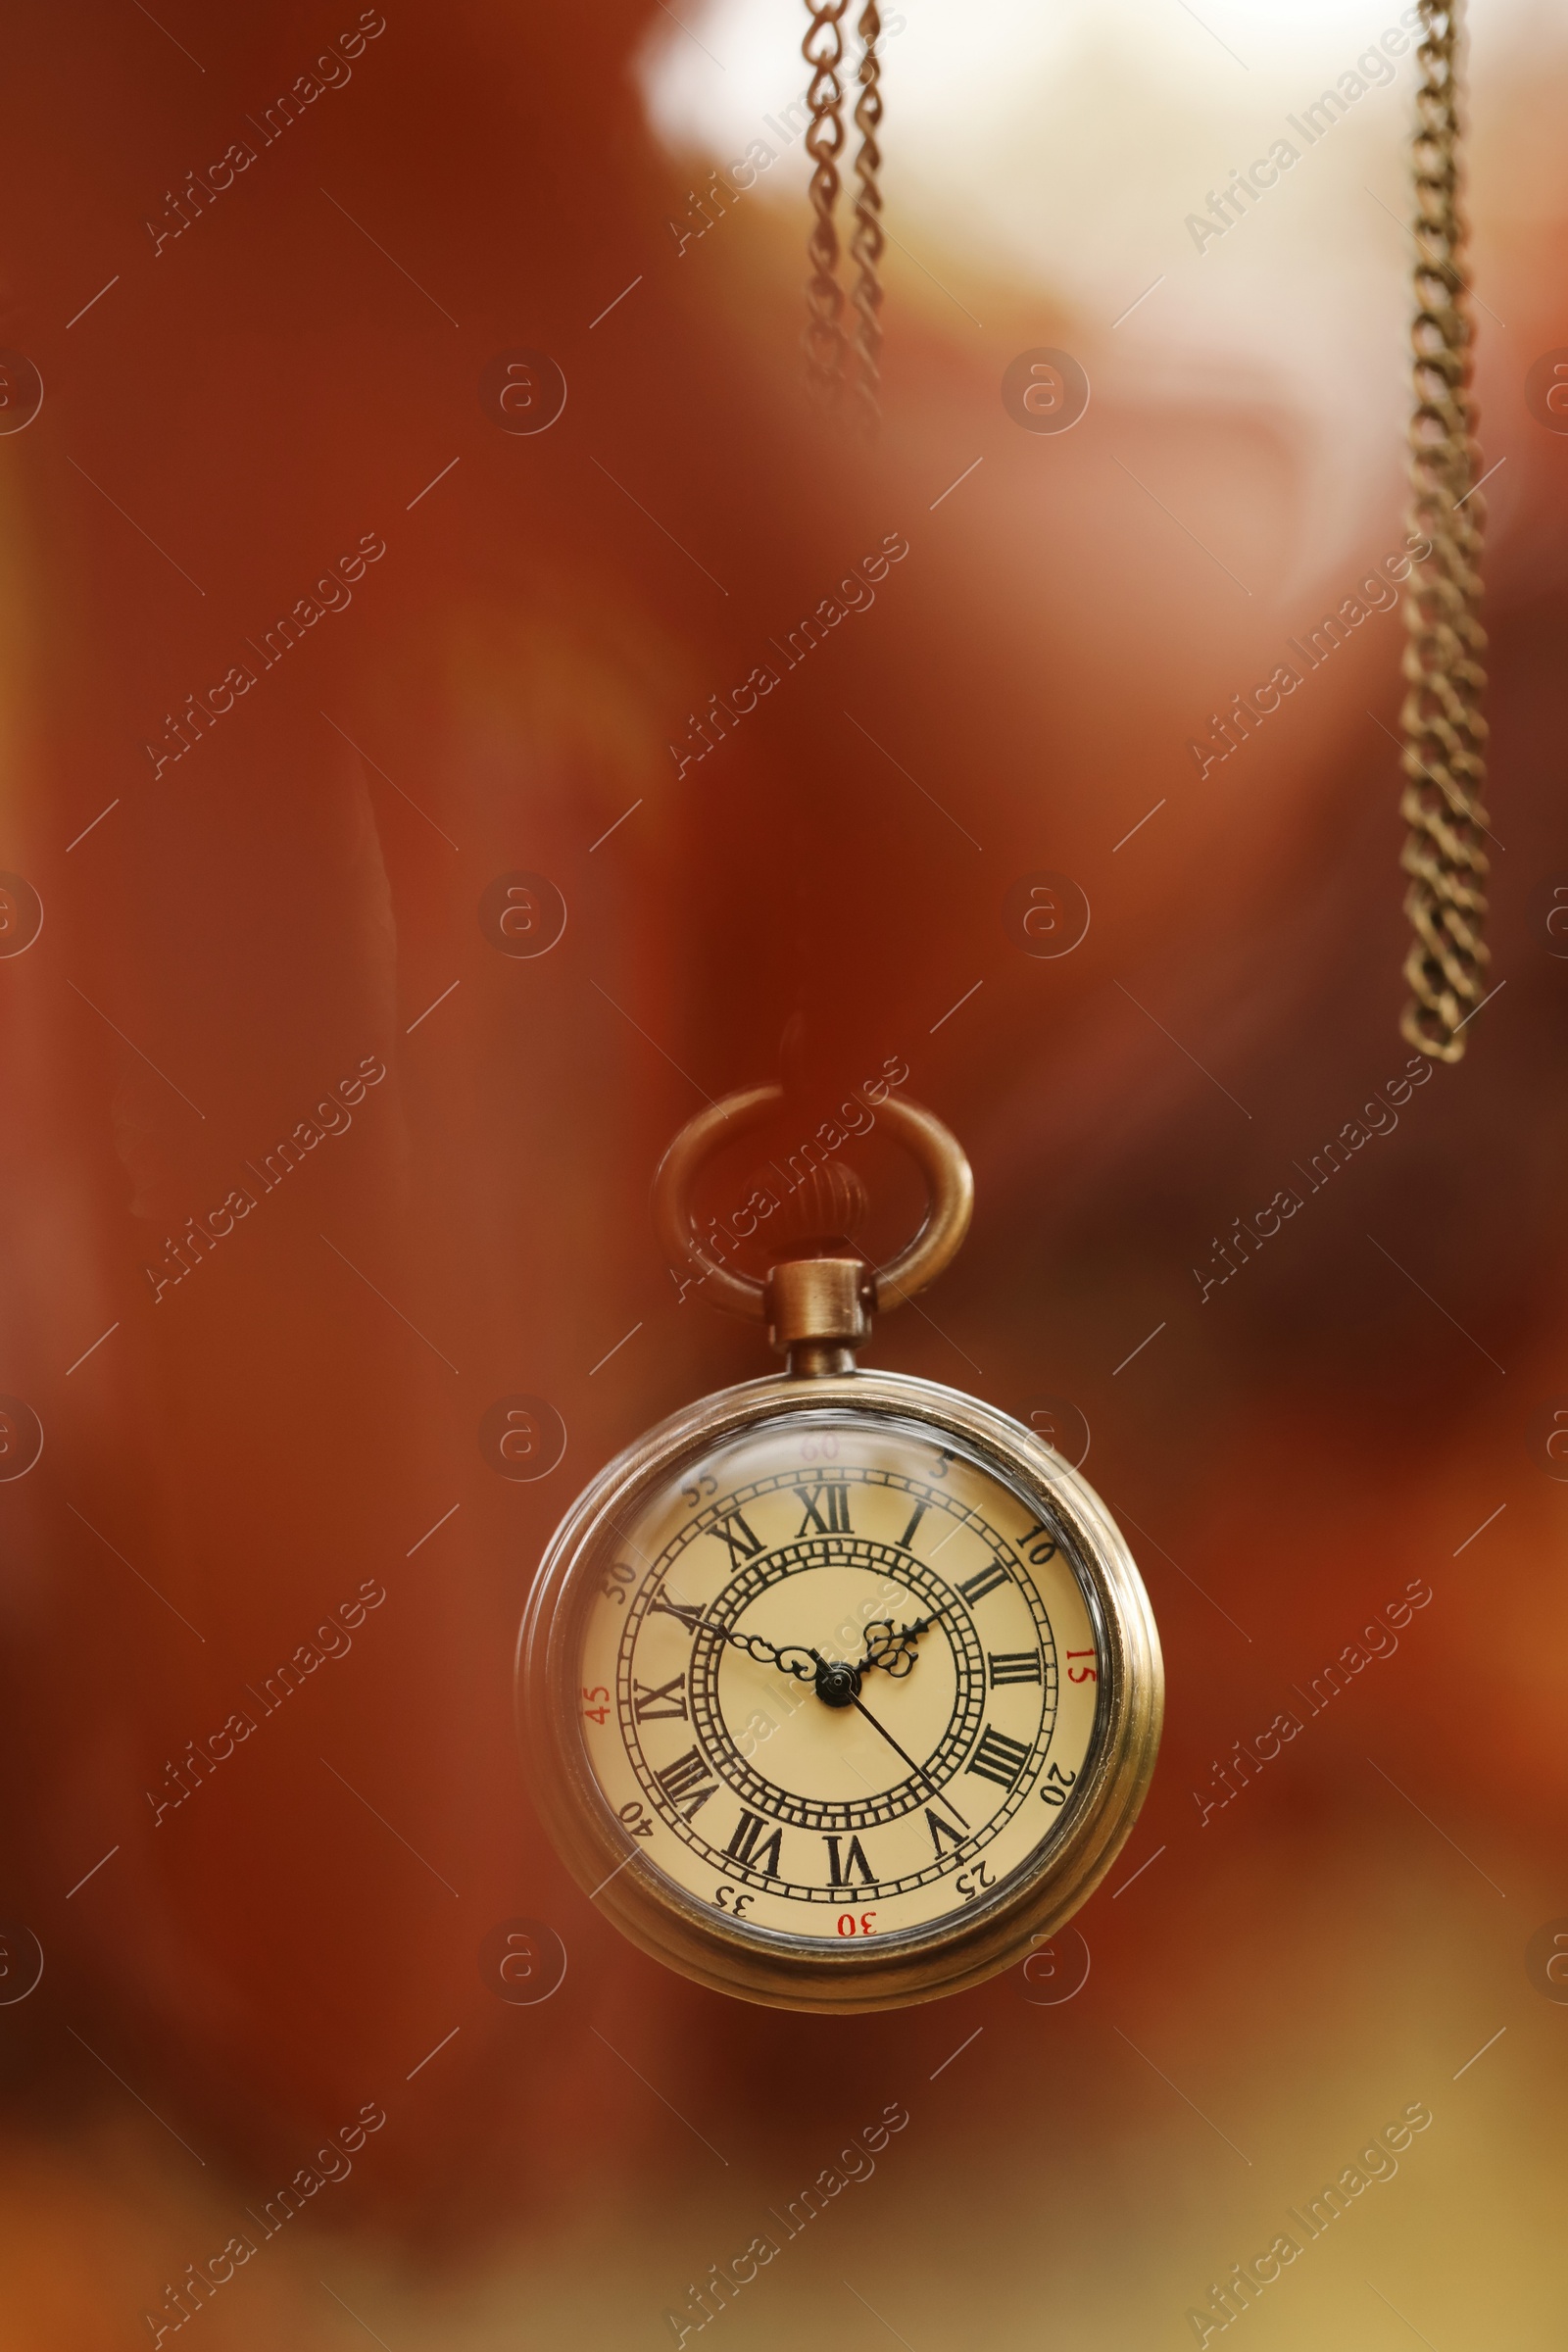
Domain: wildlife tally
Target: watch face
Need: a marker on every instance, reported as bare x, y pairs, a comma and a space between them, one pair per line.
836, 1677
842, 1675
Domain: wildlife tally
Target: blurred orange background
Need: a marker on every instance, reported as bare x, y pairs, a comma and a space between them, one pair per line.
229, 935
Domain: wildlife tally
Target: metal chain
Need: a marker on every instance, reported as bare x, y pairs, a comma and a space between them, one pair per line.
1444, 733
867, 245
825, 345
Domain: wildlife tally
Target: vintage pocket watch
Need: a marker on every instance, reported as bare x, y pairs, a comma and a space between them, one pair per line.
838, 1688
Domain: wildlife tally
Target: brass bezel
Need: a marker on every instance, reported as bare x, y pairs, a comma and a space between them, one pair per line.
762, 1964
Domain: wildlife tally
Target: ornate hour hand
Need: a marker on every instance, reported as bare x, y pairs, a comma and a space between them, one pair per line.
893, 1651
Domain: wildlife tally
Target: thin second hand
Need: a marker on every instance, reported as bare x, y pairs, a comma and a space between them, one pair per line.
918, 1769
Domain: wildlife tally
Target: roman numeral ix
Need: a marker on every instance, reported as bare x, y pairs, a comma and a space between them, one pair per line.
679, 1782
999, 1759
646, 1701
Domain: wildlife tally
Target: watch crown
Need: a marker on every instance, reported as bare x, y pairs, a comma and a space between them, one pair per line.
816, 1308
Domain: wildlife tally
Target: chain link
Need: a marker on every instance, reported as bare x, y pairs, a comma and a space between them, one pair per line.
826, 347
867, 245
1444, 733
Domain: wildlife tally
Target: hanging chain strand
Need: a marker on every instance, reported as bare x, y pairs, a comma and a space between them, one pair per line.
825, 344
1444, 733
867, 245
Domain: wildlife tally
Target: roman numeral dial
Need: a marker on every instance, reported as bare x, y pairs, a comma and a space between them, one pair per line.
839, 1660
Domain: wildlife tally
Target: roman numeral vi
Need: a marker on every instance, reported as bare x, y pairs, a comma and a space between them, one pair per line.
844, 1873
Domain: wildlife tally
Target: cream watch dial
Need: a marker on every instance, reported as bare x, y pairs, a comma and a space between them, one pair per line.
838, 1678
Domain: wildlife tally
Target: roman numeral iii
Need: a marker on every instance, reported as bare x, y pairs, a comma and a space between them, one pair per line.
665, 1702
1013, 1666
744, 1847
999, 1759
679, 1782
827, 1509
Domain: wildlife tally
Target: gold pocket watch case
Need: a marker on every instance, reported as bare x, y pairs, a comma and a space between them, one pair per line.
838, 1688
